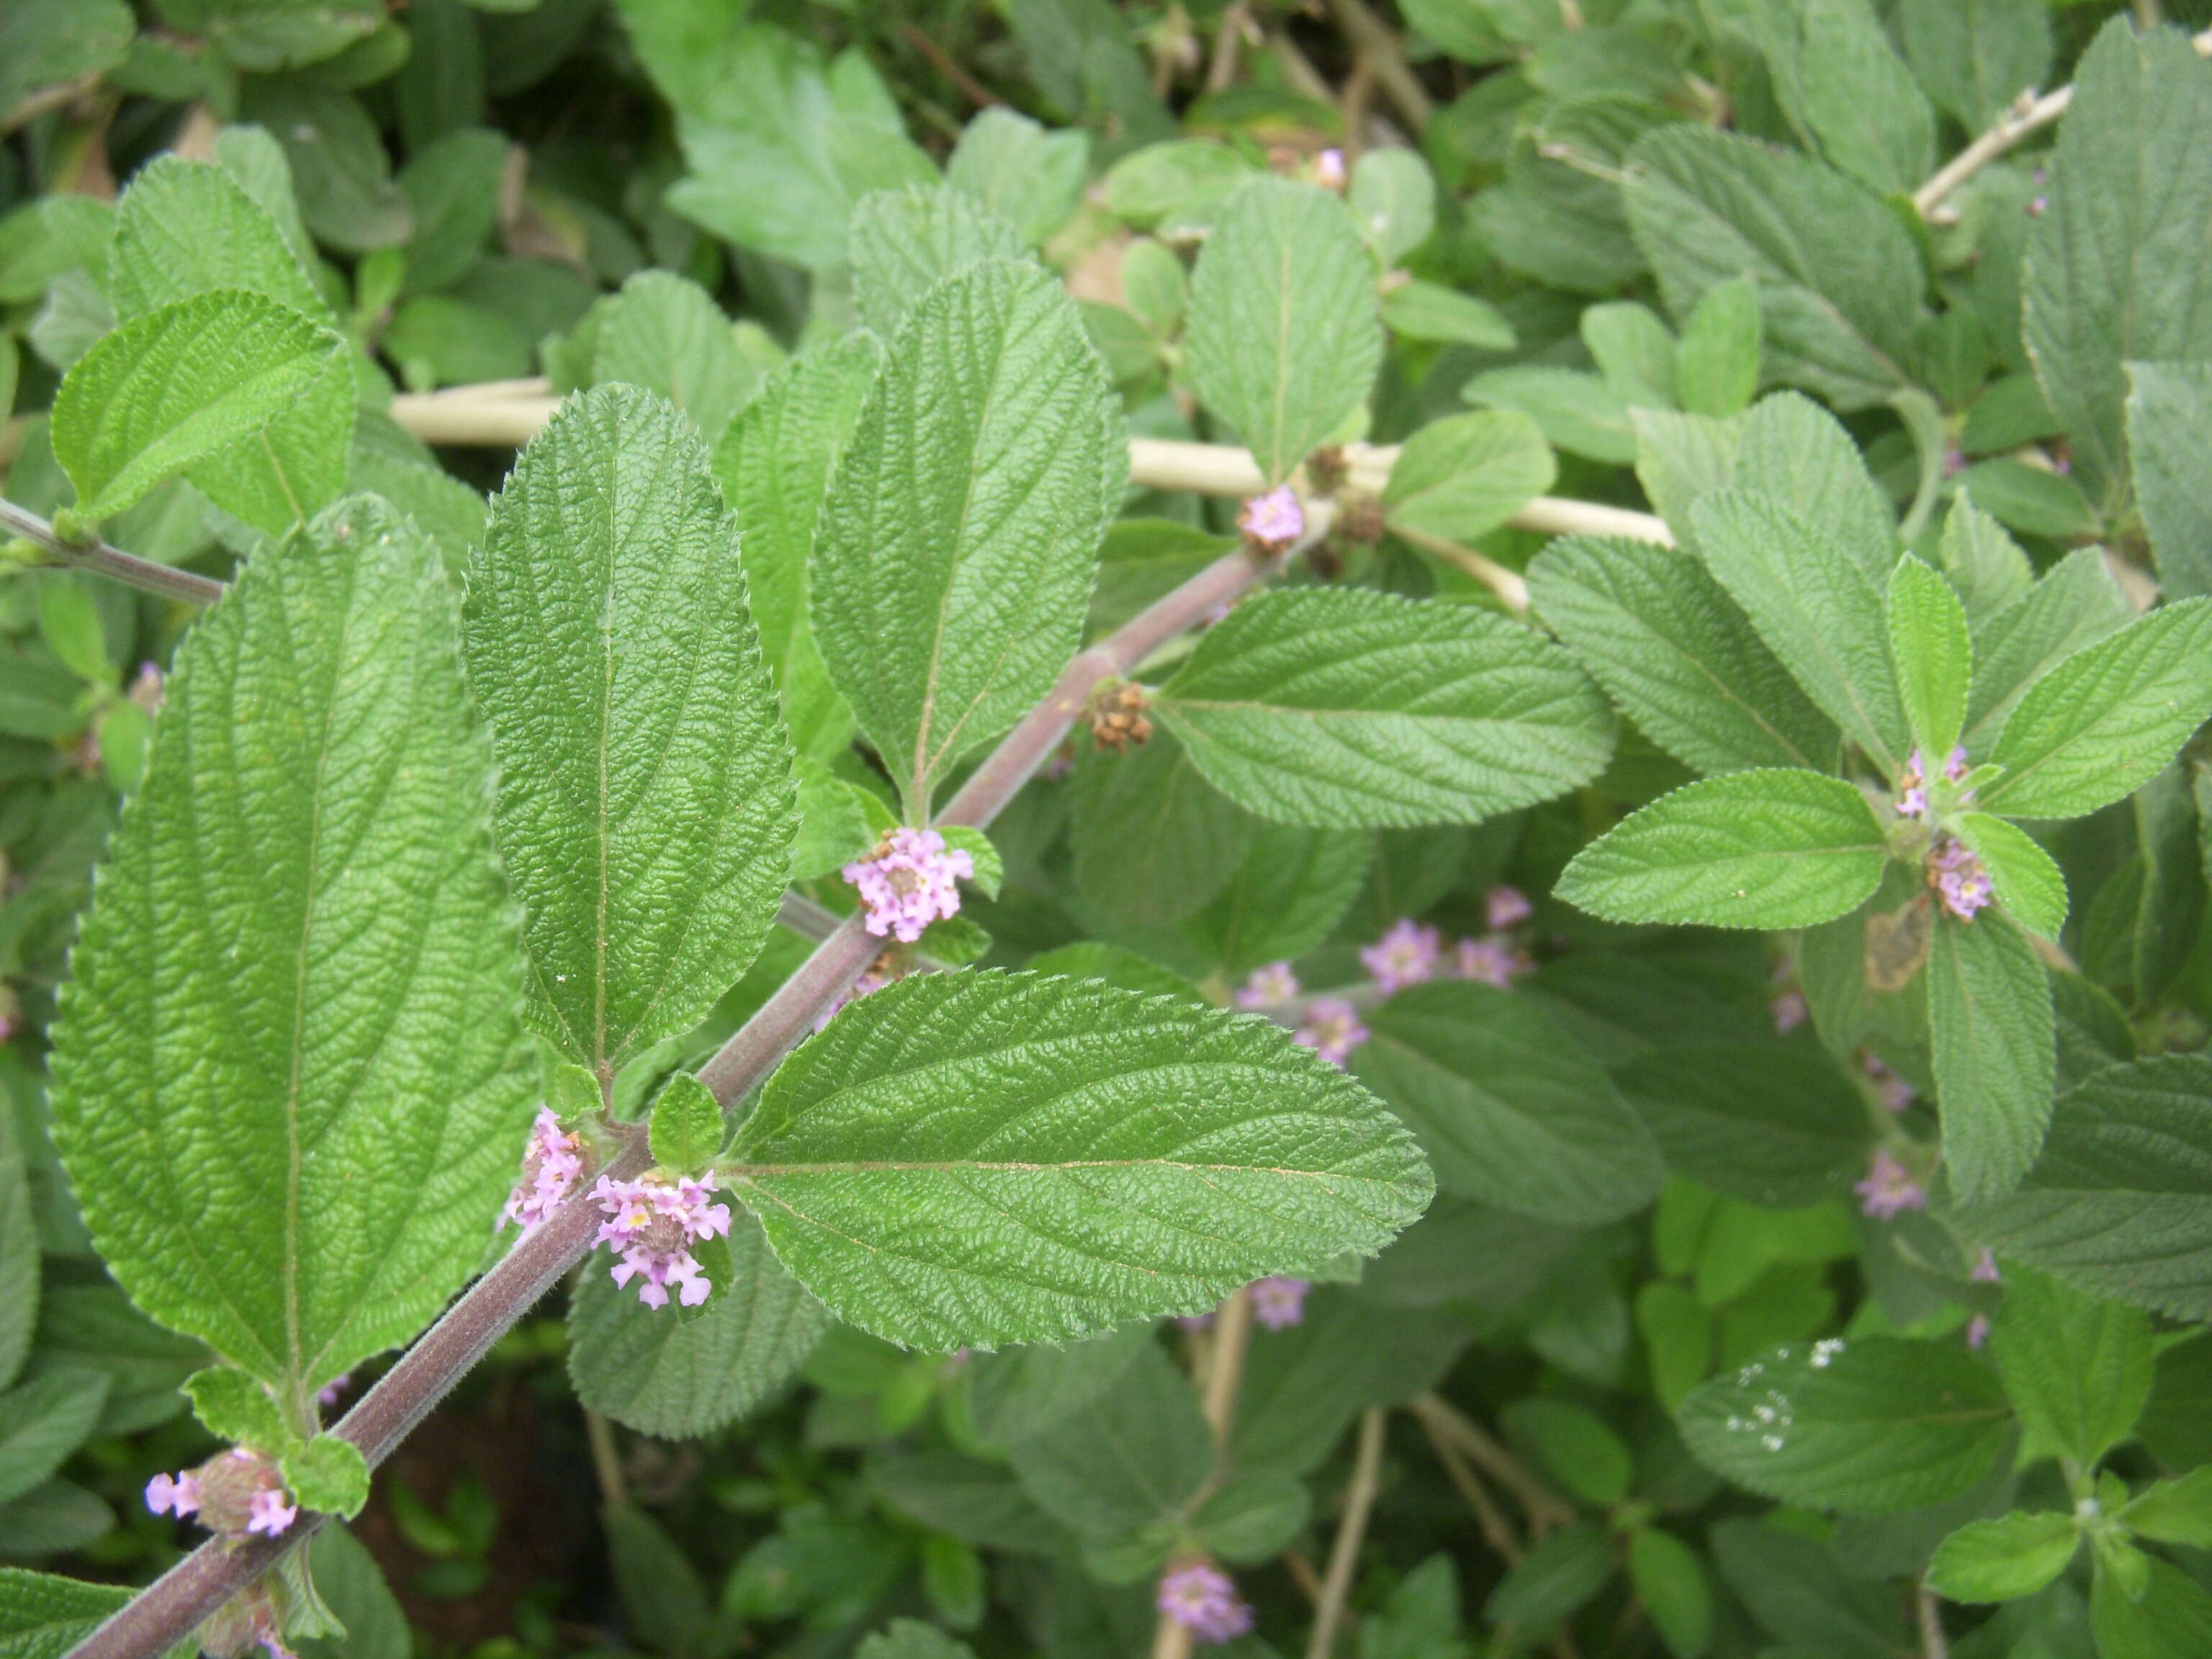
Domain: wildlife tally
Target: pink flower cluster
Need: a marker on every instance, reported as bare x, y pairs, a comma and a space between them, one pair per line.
1958, 879
1203, 1599
1331, 1028
1407, 954
1279, 1303
1274, 520
1889, 1188
1912, 783
552, 1163
1267, 986
908, 882
1329, 171
651, 1225
234, 1493
1896, 1093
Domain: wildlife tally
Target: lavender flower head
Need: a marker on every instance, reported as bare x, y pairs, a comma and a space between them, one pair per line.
1789, 1008
1328, 169
1978, 1331
1279, 1303
1332, 1030
552, 1163
1406, 955
1958, 879
1201, 1598
1506, 907
1896, 1093
908, 882
651, 1226
1274, 520
271, 1513
1889, 1188
234, 1493
1984, 1270
1274, 983
1491, 961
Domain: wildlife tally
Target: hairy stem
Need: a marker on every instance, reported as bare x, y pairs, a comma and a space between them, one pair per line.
168, 1609
1344, 1554
105, 561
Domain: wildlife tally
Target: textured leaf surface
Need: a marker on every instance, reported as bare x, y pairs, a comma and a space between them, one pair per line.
2120, 1202
1343, 709
1975, 56
2078, 1368
1460, 478
645, 805
2169, 431
42, 1422
19, 1255
1773, 1125
954, 557
977, 1158
1017, 1393
665, 334
186, 227
180, 385
904, 242
1153, 841
2114, 270
43, 1616
2107, 719
2028, 882
289, 1085
1676, 655
1819, 609
1029, 175
1509, 1109
1128, 1457
1749, 849
1838, 279
2073, 604
1933, 655
1869, 1427
680, 1378
1999, 1559
1284, 338
1993, 1035
1292, 889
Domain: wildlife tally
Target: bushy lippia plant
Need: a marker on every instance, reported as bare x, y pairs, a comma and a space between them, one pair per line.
1812, 864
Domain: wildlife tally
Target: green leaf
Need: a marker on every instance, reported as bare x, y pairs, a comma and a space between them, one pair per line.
1749, 849
2111, 275
174, 390
94, 1327
288, 1083
1717, 363
329, 1475
687, 1126
2177, 1511
1933, 655
1986, 566
1392, 198
1819, 609
1670, 1581
1573, 1442
185, 229
1130, 1457
339, 162
41, 1422
1676, 656
1868, 1427
232, 1407
959, 1159
660, 1590
665, 334
677, 1379
2028, 883
909, 1638
2168, 1616
1994, 1038
1579, 412
1838, 279
19, 1254
451, 185
1017, 1394
1510, 1110
954, 556
1793, 451
2077, 1368
1634, 352
347, 1577
2169, 427
2072, 605
774, 466
1031, 176
1428, 311
1284, 339
2108, 718
904, 242
645, 808
1344, 708
1287, 896
1153, 841
43, 1616
1460, 478
2120, 1202
1553, 1580
1975, 56
1848, 87
2002, 1559
1774, 1126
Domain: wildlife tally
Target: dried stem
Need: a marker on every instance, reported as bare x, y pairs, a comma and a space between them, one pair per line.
168, 1609
1224, 1375
607, 1460
1344, 1554
1497, 1530
1379, 48
1932, 1643
1512, 590
105, 561
1546, 1511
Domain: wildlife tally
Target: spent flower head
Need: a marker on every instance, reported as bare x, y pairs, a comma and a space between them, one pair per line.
909, 881
651, 1225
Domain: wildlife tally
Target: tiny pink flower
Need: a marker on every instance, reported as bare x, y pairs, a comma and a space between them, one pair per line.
1404, 955
1332, 1030
651, 1226
331, 1392
1789, 1009
1911, 789
2037, 207
1958, 879
1328, 169
1955, 765
271, 1514
1202, 1599
1271, 984
1889, 1188
149, 690
552, 1163
1279, 1303
1978, 1330
1955, 461
1274, 520
1506, 907
1985, 1270
178, 1495
1492, 961
1896, 1093
874, 978
908, 882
